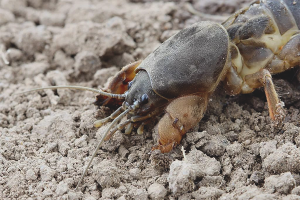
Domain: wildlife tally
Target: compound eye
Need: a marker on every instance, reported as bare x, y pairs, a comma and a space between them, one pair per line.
129, 85
144, 99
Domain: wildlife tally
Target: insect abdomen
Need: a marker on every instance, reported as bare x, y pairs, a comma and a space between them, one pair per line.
258, 35
260, 32
294, 8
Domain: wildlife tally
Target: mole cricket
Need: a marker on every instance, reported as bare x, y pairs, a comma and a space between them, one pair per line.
178, 78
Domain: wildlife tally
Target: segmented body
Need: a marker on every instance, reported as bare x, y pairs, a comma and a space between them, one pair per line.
264, 35
181, 74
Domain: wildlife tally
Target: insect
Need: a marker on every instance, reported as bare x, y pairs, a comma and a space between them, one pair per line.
180, 75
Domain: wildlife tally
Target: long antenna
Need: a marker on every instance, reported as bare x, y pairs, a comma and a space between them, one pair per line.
116, 96
100, 143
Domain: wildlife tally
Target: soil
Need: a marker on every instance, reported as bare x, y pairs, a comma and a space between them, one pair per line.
47, 137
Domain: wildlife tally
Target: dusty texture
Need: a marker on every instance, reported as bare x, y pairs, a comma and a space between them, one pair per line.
47, 137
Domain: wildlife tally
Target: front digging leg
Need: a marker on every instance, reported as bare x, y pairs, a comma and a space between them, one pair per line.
182, 114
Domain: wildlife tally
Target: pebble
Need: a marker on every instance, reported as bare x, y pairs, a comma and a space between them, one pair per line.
31, 175
157, 191
62, 188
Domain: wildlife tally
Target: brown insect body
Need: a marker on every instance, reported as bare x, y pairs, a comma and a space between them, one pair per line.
181, 74
265, 40
243, 52
177, 77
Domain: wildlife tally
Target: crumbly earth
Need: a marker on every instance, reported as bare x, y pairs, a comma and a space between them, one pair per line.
47, 137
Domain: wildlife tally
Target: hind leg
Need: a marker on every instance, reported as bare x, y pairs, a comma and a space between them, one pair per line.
288, 57
264, 78
182, 114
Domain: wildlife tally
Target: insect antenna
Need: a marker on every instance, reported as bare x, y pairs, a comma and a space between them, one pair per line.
116, 96
103, 136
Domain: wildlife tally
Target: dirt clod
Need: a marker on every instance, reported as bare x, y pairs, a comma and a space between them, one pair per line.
285, 158
157, 191
283, 183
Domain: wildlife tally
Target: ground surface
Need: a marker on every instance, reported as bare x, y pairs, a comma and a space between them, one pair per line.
46, 138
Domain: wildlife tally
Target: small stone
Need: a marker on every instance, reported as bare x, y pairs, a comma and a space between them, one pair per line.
81, 142
212, 181
74, 195
157, 191
207, 193
283, 183
6, 16
86, 63
185, 196
47, 192
232, 136
234, 149
63, 148
52, 19
296, 191
106, 174
267, 148
196, 165
50, 147
123, 151
138, 194
33, 40
111, 193
265, 197
35, 68
62, 188
14, 6
284, 159
122, 60
31, 175
121, 198
46, 173
257, 177
14, 54
135, 173
214, 148
32, 14
290, 197
102, 75
62, 60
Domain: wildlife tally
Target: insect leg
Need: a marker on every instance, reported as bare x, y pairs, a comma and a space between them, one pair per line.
264, 78
119, 127
115, 114
182, 114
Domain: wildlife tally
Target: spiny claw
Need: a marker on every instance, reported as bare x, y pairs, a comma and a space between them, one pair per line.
279, 114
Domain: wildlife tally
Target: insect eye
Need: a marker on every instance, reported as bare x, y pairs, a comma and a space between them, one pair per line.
144, 99
129, 85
